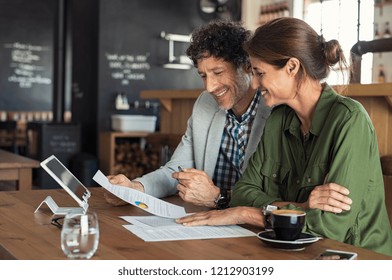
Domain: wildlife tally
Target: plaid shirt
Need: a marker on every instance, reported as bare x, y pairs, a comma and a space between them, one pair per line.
235, 138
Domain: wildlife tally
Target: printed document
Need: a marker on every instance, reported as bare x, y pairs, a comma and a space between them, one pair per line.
153, 228
163, 226
141, 200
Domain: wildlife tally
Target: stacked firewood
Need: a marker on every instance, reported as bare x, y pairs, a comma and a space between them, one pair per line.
133, 160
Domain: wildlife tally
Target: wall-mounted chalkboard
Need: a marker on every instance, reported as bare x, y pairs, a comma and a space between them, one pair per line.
61, 140
132, 52
26, 54
116, 47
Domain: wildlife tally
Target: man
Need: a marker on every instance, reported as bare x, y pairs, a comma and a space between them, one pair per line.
224, 129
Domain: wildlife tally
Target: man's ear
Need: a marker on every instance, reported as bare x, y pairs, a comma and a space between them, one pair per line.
247, 68
292, 66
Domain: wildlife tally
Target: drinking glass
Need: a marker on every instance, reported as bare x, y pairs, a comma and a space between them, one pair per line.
80, 235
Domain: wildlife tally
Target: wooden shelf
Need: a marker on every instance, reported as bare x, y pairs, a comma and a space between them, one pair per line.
107, 144
384, 89
176, 107
135, 153
367, 90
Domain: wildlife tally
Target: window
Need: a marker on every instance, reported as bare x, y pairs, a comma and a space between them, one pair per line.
338, 19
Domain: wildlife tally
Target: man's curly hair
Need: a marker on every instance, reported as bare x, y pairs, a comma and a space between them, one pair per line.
221, 39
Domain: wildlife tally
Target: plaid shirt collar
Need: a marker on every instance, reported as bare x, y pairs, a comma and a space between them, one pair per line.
249, 113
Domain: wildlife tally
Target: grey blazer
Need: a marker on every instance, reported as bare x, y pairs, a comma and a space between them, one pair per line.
199, 146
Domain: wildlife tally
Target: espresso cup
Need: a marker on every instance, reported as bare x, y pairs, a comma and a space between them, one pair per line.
287, 224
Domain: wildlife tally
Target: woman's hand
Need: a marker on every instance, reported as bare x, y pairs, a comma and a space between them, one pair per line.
329, 197
229, 216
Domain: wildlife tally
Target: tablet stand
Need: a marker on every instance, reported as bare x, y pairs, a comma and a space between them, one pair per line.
60, 210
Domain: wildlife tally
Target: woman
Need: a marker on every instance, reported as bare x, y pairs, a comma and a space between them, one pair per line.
319, 149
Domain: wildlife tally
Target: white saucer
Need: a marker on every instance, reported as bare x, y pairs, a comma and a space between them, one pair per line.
305, 240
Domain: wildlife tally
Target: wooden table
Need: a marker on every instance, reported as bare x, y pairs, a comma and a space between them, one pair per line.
28, 236
18, 168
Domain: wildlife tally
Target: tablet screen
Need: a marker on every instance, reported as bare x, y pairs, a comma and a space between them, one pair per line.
66, 179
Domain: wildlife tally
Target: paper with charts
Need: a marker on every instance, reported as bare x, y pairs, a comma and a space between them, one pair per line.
153, 228
162, 226
141, 200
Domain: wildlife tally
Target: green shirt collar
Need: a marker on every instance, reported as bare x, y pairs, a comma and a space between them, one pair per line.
319, 117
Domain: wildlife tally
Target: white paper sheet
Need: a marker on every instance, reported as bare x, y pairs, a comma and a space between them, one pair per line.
151, 221
153, 229
162, 226
141, 200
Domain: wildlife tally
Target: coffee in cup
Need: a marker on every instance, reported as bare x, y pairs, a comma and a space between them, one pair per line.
287, 224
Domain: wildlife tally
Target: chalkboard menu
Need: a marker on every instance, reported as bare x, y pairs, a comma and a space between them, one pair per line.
26, 54
132, 52
61, 140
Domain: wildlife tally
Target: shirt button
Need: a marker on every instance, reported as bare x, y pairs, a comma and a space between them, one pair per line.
297, 181
274, 175
309, 180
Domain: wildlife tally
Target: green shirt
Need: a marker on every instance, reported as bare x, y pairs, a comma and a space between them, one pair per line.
341, 148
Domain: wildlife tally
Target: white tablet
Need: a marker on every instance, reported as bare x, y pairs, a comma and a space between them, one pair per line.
67, 180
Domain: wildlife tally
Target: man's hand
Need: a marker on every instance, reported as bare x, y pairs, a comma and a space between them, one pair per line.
120, 180
229, 216
196, 187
